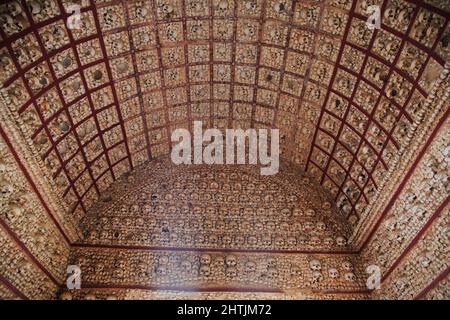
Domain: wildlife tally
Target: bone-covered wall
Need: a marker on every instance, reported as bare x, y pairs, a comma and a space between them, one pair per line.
34, 252
88, 103
410, 245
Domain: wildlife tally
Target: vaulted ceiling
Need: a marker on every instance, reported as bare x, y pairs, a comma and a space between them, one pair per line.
94, 102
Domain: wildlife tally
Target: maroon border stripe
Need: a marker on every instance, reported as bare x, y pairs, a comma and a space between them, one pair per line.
416, 239
407, 177
12, 288
186, 289
175, 249
33, 186
432, 285
218, 289
27, 252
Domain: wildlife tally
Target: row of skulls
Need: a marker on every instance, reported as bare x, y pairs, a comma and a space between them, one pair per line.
273, 270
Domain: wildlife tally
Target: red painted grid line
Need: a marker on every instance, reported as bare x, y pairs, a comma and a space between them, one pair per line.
186, 65
259, 44
367, 114
61, 97
76, 126
370, 146
113, 88
373, 112
158, 46
381, 90
312, 58
12, 288
8, 40
336, 292
408, 99
211, 65
330, 178
392, 65
94, 116
428, 6
31, 95
282, 71
46, 90
45, 57
333, 76
405, 37
326, 100
45, 123
46, 130
415, 86
422, 294
229, 117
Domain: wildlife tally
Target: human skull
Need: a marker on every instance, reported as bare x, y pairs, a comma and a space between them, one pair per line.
272, 272
252, 240
347, 265
213, 239
239, 240
205, 271
328, 241
226, 240
231, 272
279, 241
161, 270
315, 265
185, 266
286, 213
295, 271
219, 261
321, 226
205, 259
333, 273
350, 276
250, 267
314, 241
302, 240
199, 239
307, 226
231, 260
317, 276
341, 241
291, 241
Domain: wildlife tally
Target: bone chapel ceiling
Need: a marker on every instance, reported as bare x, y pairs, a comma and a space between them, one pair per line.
86, 118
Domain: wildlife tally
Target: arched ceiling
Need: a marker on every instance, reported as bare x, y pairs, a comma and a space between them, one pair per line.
226, 207
96, 102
